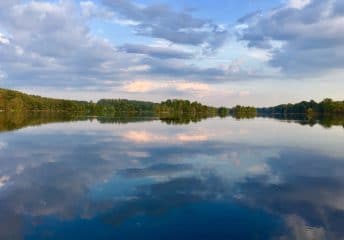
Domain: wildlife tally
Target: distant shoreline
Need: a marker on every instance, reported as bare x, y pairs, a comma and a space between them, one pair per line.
15, 101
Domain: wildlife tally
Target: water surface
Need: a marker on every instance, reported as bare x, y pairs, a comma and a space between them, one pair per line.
142, 178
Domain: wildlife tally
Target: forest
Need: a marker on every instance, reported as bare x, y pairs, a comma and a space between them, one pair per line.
325, 107
243, 112
177, 106
15, 101
125, 106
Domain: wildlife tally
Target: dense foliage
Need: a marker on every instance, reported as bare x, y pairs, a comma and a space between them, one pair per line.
125, 106
183, 111
15, 120
19, 110
16, 101
244, 112
171, 110
327, 106
177, 106
223, 111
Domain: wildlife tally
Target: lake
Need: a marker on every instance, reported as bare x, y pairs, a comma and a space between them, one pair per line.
143, 178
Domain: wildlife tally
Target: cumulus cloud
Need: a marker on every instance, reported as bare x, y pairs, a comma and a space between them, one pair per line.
161, 21
50, 45
303, 36
3, 180
176, 69
3, 39
57, 45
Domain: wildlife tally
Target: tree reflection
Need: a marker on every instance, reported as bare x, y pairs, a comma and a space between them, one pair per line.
10, 121
326, 121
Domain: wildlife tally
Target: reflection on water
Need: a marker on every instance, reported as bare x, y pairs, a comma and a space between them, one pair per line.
326, 121
17, 120
215, 179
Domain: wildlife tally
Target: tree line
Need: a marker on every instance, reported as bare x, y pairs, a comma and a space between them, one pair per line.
15, 101
325, 107
177, 106
243, 112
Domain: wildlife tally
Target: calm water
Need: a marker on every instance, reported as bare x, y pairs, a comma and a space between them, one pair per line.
215, 179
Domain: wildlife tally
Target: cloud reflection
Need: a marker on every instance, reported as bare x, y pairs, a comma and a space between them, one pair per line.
151, 169
311, 192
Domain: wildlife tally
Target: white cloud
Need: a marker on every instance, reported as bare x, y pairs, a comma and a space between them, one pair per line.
260, 54
301, 230
143, 137
298, 4
4, 180
62, 52
59, 50
192, 137
142, 86
302, 37
162, 22
3, 39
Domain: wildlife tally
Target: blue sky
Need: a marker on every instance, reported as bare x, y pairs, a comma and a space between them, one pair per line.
254, 52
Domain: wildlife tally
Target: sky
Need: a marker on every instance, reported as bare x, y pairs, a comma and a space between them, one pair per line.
222, 53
